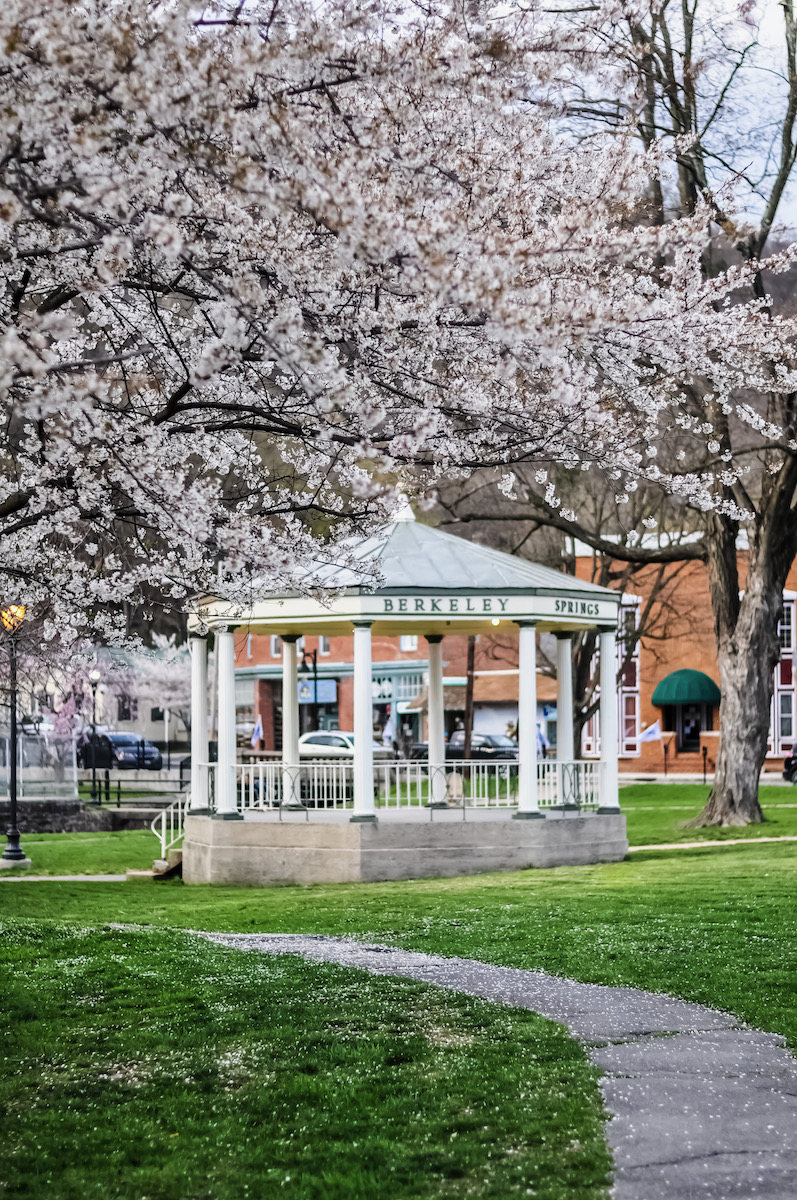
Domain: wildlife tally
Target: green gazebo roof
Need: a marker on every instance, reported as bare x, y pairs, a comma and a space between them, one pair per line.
409, 556
686, 687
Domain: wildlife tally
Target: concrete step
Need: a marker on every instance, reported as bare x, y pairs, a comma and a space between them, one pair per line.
162, 868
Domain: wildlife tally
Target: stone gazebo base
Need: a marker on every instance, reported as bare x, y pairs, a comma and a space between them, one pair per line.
326, 847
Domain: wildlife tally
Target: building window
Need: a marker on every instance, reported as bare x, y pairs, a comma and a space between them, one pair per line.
323, 645
786, 625
276, 646
382, 689
627, 690
126, 708
249, 645
408, 642
781, 722
630, 724
407, 687
156, 714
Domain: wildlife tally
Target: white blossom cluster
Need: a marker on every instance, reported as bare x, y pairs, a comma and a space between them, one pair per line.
260, 262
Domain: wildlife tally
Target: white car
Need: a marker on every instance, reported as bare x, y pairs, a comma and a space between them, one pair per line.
334, 743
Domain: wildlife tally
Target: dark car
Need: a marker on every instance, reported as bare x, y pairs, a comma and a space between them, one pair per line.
484, 747
790, 768
120, 751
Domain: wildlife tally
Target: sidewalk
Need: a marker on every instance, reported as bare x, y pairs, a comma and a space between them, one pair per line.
63, 878
751, 841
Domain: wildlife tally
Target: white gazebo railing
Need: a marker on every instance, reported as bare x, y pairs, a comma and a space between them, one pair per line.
407, 784
569, 784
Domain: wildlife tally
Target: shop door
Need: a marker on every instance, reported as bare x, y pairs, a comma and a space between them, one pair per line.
690, 725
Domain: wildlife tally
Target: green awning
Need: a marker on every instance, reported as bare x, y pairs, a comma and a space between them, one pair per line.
686, 687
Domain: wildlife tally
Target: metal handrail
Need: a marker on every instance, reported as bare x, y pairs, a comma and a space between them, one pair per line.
169, 825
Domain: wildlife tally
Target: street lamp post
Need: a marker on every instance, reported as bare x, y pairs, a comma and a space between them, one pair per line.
11, 619
305, 670
94, 679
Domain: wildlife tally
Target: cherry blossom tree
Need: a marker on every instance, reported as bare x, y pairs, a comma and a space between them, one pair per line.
717, 86
264, 260
162, 676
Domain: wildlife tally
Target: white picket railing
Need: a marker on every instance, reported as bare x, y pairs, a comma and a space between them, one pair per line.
415, 784
406, 783
569, 784
315, 784
409, 783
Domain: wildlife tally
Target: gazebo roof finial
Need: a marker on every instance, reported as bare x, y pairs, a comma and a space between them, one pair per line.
404, 510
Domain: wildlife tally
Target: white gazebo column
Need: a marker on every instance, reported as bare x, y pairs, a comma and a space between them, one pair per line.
528, 802
291, 789
564, 697
199, 723
610, 792
226, 798
436, 721
363, 726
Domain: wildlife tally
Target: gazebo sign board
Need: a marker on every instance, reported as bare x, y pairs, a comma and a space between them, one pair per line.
408, 578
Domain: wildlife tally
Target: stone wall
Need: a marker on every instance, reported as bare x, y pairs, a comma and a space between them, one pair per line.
55, 816
269, 852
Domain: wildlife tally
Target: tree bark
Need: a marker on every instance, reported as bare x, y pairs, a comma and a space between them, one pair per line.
748, 649
746, 660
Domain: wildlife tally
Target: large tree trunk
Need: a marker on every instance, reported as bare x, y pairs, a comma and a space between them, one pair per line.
748, 648
746, 661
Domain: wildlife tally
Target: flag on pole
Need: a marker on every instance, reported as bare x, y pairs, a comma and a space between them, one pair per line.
257, 735
652, 733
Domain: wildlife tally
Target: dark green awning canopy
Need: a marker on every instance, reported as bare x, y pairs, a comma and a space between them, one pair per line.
686, 687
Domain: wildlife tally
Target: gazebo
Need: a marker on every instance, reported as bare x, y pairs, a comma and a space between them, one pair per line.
303, 820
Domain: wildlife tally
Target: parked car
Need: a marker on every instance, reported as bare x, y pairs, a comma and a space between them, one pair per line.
790, 768
119, 751
335, 743
484, 747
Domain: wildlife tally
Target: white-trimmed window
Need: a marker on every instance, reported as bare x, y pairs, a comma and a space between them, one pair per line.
408, 642
407, 687
276, 646
781, 722
323, 644
627, 689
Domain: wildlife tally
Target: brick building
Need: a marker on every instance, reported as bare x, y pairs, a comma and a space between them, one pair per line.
686, 653
400, 668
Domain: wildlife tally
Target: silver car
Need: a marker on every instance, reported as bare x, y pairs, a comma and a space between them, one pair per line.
335, 743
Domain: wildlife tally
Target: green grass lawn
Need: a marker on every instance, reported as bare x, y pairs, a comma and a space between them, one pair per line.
152, 1064
713, 925
89, 853
162, 1017
657, 812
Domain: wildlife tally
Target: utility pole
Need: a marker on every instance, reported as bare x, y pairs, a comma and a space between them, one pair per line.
469, 697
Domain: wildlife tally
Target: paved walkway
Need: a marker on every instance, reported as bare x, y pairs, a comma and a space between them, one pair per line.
62, 878
701, 1107
748, 841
